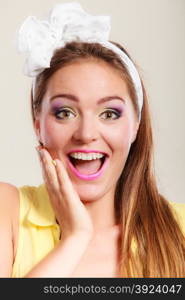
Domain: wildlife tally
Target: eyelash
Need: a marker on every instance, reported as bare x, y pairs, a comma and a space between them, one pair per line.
115, 111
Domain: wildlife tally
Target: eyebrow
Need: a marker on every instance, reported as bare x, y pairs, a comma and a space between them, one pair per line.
75, 99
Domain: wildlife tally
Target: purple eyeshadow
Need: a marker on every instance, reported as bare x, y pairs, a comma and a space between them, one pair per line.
58, 104
117, 107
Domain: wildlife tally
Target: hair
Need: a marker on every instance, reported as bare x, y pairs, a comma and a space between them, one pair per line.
152, 243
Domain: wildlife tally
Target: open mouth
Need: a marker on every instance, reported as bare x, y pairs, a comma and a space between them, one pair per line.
87, 167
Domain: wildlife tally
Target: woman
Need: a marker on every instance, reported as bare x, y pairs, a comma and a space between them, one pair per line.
99, 212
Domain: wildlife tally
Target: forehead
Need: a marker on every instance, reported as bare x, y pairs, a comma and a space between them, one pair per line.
94, 77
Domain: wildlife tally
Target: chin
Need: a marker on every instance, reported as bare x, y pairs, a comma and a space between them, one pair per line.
89, 193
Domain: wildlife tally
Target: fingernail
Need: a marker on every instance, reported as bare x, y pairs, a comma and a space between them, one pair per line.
54, 162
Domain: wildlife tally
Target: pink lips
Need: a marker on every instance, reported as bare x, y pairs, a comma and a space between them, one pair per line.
90, 176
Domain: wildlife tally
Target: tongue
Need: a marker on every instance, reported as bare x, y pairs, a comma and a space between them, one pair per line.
87, 167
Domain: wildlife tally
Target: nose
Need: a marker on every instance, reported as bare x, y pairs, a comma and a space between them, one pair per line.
86, 131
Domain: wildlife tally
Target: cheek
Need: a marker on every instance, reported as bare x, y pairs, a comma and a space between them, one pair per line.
120, 138
53, 134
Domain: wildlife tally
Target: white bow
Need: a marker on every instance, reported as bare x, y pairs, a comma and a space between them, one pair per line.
66, 22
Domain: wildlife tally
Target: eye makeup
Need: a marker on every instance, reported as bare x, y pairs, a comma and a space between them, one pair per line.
57, 106
117, 108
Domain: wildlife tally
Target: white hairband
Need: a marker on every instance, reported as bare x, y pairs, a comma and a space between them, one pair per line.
66, 23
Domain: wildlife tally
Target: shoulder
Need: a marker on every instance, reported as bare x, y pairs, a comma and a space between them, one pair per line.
6, 187
15, 202
9, 196
9, 207
179, 213
178, 208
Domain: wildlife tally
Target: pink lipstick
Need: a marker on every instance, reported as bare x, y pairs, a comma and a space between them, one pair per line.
90, 176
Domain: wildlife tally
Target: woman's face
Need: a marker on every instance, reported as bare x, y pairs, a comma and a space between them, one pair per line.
87, 107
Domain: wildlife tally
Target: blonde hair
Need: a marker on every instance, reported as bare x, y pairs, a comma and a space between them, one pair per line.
146, 217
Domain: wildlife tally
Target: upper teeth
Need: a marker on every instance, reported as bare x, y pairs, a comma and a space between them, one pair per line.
86, 156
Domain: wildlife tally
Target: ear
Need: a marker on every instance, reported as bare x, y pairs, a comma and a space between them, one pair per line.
135, 130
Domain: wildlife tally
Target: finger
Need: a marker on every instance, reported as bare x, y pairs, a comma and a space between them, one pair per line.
67, 188
42, 165
60, 176
49, 170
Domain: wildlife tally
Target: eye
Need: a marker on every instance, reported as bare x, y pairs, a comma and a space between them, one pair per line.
111, 112
63, 114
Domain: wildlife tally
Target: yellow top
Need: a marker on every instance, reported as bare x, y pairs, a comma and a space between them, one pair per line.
38, 230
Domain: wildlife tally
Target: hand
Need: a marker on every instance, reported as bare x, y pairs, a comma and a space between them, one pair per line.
70, 212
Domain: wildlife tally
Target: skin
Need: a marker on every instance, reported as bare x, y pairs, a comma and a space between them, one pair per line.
89, 127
